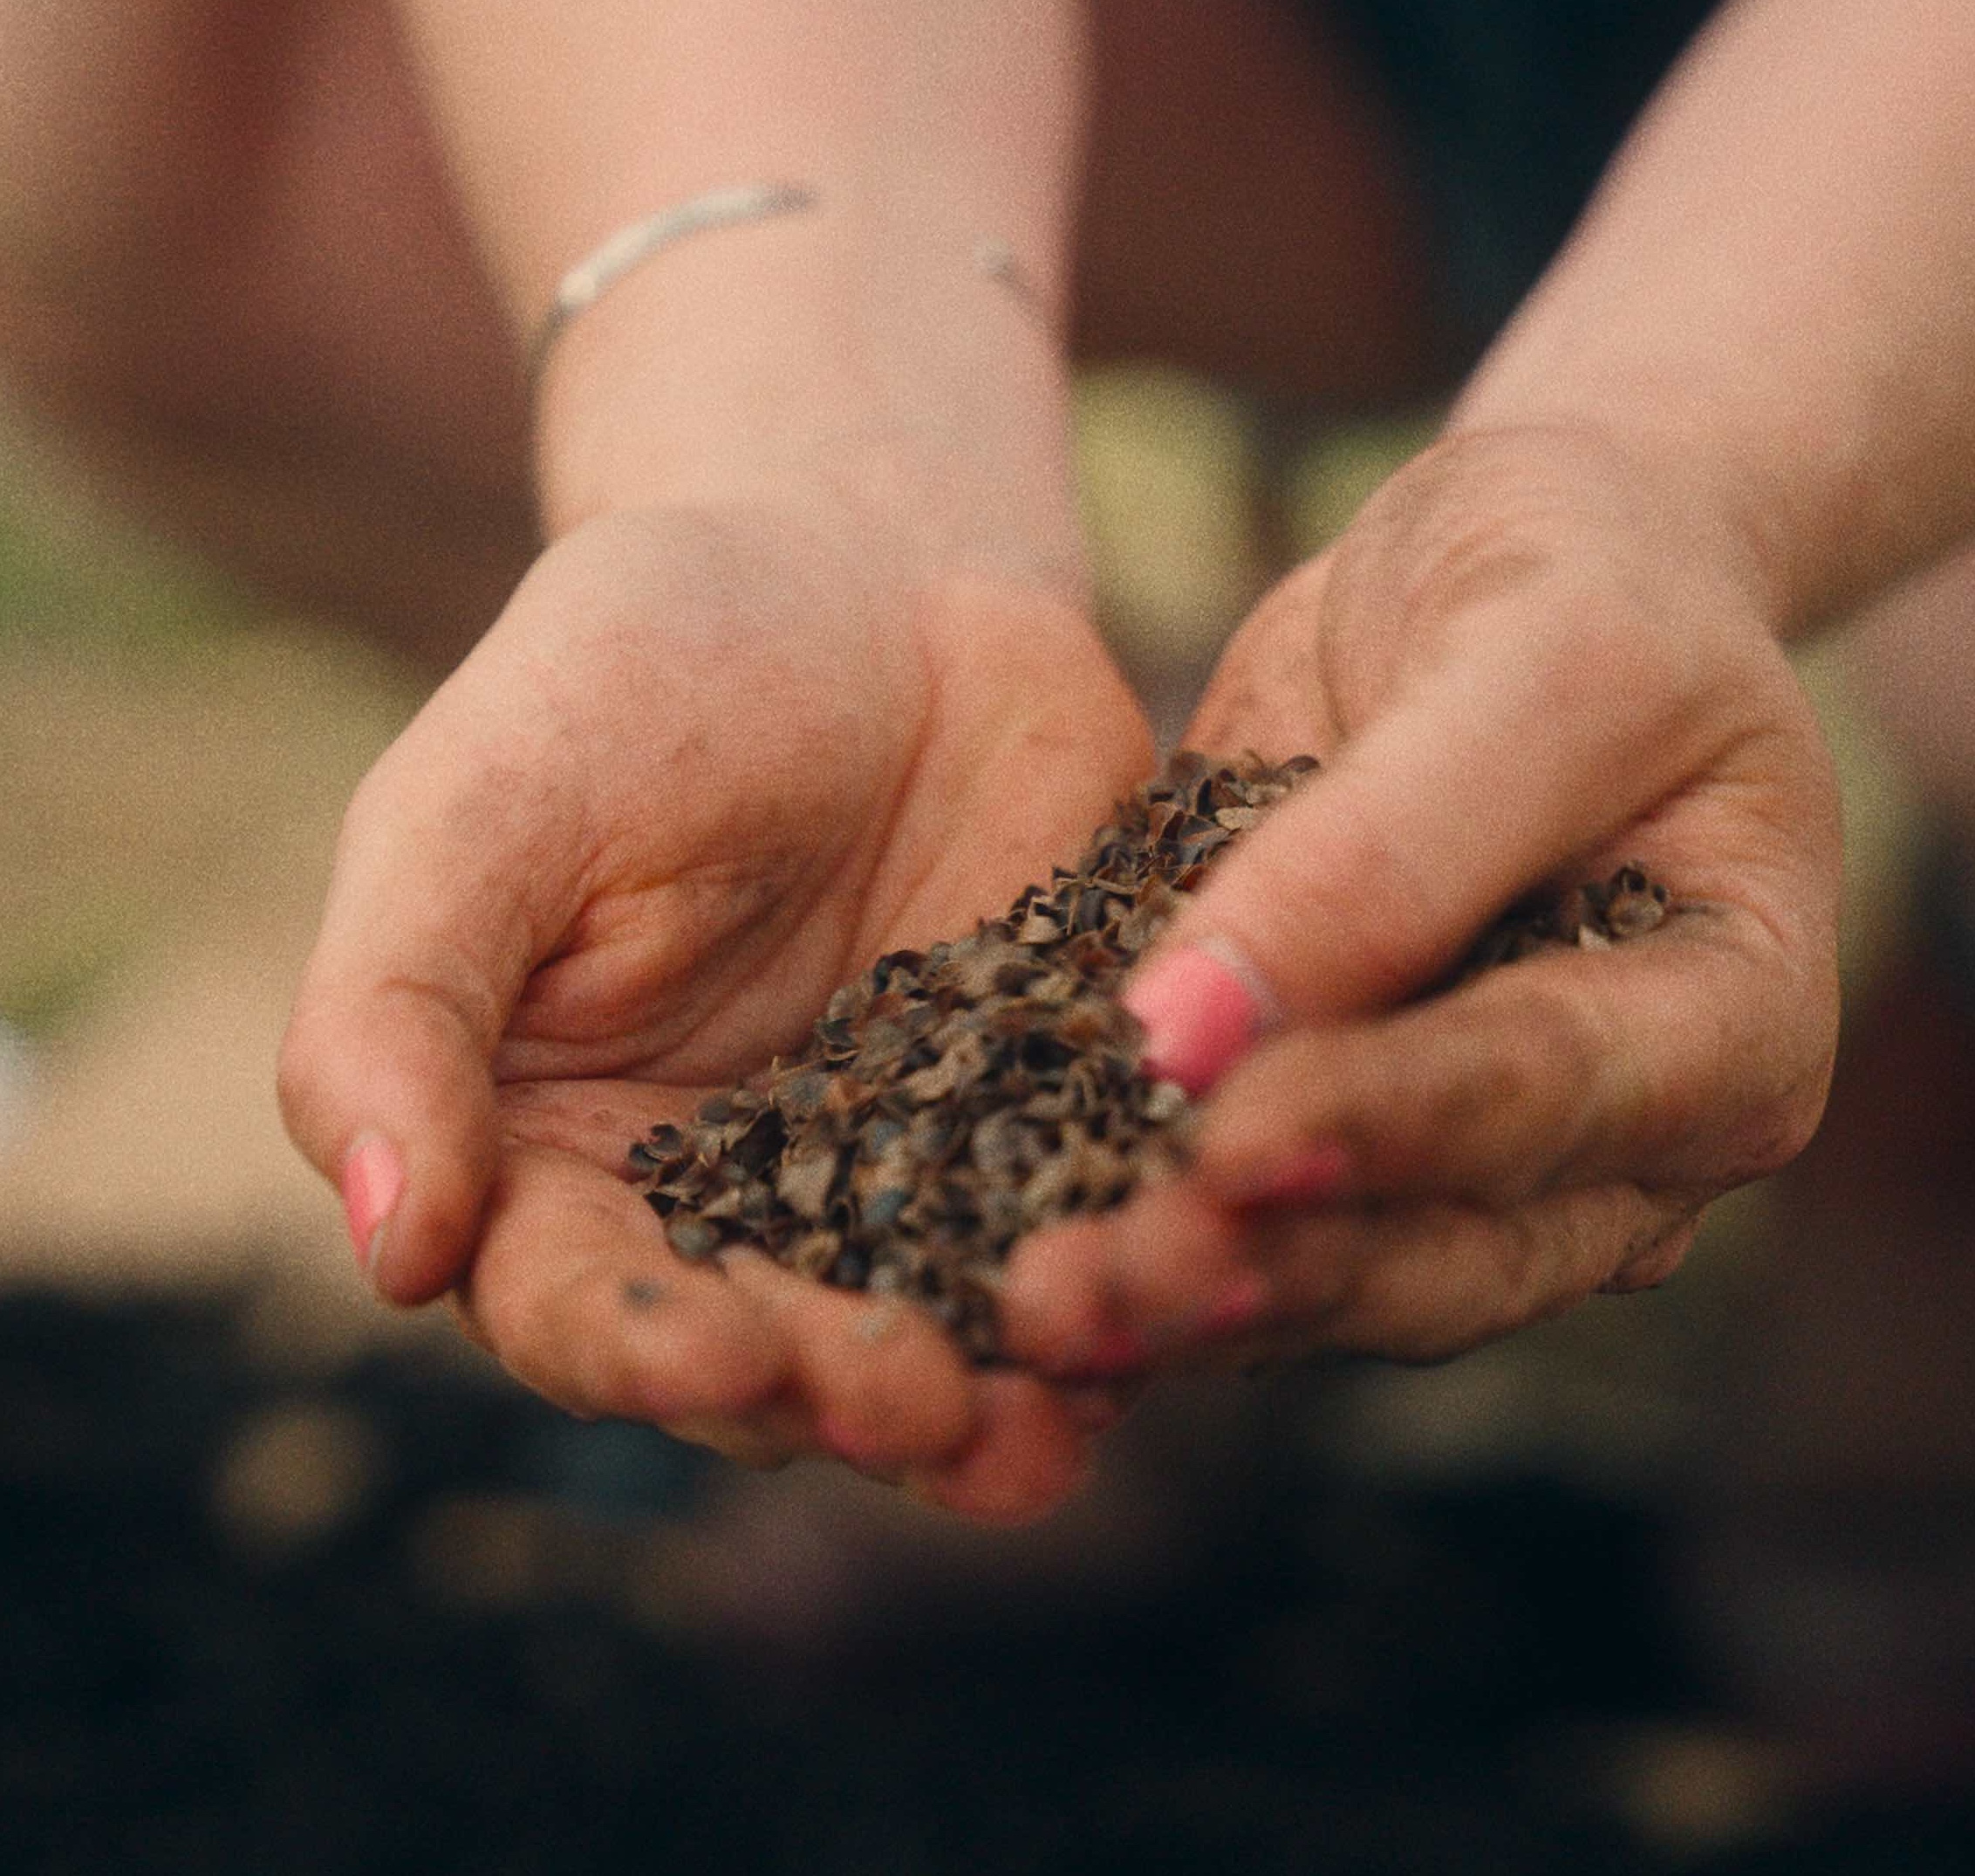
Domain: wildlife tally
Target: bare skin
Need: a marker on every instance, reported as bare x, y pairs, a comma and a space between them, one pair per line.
1730, 413
321, 388
318, 387
1410, 1179
815, 585
670, 937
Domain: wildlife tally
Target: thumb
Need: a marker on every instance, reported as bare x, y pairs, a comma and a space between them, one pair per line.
1376, 875
386, 1074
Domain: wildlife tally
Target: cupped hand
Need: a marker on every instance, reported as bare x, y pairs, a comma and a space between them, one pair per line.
707, 765
1529, 661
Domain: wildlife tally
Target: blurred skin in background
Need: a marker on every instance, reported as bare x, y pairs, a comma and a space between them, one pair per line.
812, 578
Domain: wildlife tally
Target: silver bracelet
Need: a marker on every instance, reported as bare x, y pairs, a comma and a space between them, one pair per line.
591, 277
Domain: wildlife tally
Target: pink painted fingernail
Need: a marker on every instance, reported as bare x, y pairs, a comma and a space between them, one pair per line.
1240, 1301
1109, 1354
846, 1441
373, 1182
1310, 1175
1201, 1006
1239, 1306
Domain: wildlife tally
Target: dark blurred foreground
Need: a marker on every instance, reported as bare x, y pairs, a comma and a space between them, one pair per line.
258, 1624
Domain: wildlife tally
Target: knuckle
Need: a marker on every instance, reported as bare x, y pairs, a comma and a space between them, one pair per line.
510, 1325
1443, 1297
1468, 516
373, 801
1561, 1051
1772, 1131
1655, 1253
1362, 882
1518, 1093
1776, 1137
301, 1085
1314, 1263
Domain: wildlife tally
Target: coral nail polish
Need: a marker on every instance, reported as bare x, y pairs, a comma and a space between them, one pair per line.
852, 1444
1201, 1007
1238, 1306
371, 1183
1309, 1175
1109, 1354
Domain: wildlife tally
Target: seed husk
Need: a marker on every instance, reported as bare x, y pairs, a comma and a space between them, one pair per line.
950, 1101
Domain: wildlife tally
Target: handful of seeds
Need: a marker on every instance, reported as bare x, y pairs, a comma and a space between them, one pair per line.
952, 1100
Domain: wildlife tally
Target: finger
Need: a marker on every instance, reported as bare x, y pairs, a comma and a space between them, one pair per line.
1696, 1056
1027, 1458
429, 932
1417, 1281
872, 1379
882, 1383
1478, 782
1096, 1407
1692, 1059
1112, 1295
1426, 1281
576, 1291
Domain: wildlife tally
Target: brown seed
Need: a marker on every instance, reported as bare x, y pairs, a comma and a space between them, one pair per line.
694, 1239
951, 1099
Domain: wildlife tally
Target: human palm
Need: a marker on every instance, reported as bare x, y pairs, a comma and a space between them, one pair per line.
708, 766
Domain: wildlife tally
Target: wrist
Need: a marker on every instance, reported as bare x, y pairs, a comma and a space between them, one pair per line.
899, 377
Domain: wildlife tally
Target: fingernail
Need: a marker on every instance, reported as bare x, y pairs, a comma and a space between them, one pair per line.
1201, 1007
854, 1446
1310, 1175
1109, 1354
1239, 1306
1240, 1302
371, 1183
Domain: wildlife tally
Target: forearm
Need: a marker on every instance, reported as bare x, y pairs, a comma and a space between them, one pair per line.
1770, 297
118, 126
857, 339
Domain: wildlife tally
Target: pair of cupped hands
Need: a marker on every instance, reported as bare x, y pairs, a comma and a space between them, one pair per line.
712, 761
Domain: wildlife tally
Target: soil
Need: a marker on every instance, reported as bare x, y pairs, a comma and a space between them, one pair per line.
1351, 1679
